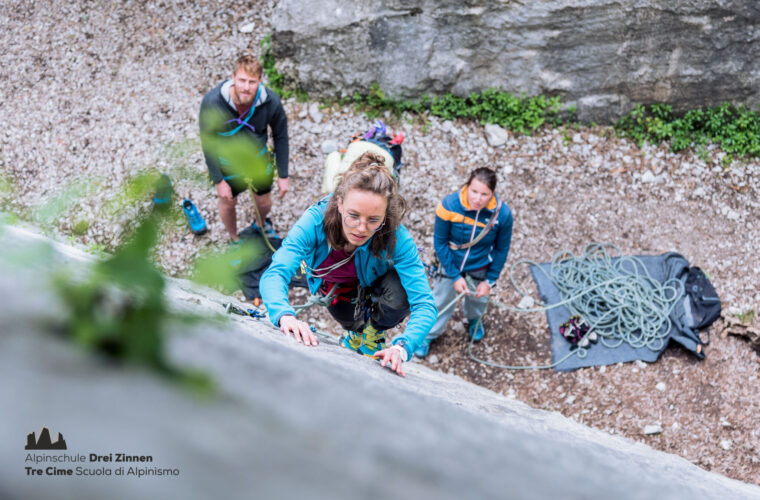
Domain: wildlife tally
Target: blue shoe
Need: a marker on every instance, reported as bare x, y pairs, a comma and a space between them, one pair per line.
163, 197
352, 341
372, 341
194, 218
423, 349
268, 228
475, 330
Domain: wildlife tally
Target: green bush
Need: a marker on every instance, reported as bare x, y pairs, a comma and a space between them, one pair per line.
519, 114
735, 129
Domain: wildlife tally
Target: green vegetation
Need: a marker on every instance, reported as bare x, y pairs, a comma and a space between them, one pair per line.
62, 202
120, 309
80, 227
275, 79
735, 129
747, 317
519, 114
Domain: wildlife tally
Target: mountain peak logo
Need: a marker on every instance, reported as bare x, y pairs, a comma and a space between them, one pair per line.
44, 442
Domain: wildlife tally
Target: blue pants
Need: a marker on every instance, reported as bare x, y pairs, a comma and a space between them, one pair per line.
444, 293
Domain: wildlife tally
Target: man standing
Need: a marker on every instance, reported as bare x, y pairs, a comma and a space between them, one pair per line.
234, 117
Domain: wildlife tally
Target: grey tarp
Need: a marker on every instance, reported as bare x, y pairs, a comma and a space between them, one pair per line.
661, 268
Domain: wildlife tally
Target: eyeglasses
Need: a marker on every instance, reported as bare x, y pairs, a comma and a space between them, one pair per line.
353, 221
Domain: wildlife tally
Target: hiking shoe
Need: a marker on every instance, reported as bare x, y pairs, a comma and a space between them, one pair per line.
268, 228
475, 330
423, 349
194, 218
352, 341
163, 196
372, 340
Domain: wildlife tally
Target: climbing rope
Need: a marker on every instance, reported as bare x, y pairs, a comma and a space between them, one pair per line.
316, 300
620, 300
260, 221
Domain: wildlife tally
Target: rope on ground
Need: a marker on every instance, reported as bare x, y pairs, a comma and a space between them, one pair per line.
619, 300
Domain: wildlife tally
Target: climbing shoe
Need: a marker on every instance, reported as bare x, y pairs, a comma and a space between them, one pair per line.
162, 198
423, 349
576, 331
372, 340
352, 341
194, 218
475, 330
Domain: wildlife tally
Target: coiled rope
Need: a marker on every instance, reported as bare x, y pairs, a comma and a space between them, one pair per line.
619, 299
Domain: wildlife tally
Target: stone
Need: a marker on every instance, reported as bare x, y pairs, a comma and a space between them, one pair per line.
314, 113
660, 386
588, 52
570, 400
726, 444
495, 135
247, 28
652, 429
329, 146
648, 177
526, 302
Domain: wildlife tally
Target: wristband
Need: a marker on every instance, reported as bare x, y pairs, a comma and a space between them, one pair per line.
402, 351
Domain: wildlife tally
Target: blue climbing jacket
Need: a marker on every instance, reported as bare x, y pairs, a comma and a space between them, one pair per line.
306, 241
454, 221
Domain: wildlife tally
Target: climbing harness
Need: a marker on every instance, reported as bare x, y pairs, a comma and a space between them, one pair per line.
619, 300
243, 122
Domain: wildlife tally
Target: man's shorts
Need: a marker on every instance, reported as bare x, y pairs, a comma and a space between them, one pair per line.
258, 180
238, 184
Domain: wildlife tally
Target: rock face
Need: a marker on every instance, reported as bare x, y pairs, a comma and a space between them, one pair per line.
289, 421
603, 55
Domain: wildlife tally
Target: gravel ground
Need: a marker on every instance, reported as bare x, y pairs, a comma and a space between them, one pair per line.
94, 92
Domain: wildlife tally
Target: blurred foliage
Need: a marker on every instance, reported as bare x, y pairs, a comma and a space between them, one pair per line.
6, 186
219, 270
177, 155
735, 129
62, 202
120, 310
240, 154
